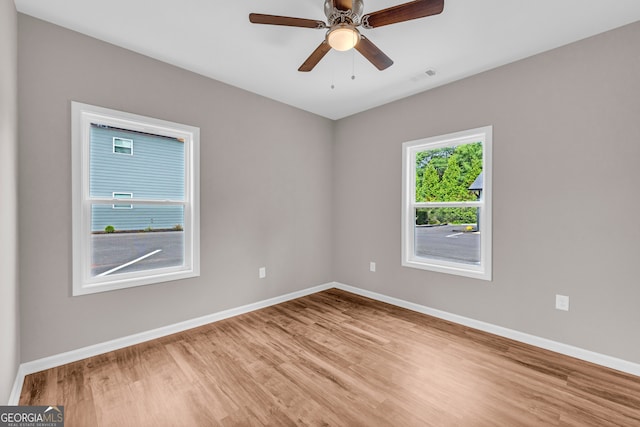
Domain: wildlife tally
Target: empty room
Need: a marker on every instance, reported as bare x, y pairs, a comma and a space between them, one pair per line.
319, 212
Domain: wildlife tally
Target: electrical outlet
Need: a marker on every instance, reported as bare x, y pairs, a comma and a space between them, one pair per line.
372, 266
262, 272
562, 302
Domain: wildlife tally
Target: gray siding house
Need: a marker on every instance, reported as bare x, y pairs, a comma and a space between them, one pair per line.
133, 165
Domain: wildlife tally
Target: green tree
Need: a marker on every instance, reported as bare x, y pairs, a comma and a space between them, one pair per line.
429, 184
452, 184
445, 174
437, 157
470, 161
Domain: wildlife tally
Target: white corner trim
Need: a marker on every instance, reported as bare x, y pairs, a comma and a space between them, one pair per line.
118, 343
14, 397
558, 347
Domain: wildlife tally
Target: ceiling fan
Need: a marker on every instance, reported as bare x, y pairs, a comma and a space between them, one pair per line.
343, 18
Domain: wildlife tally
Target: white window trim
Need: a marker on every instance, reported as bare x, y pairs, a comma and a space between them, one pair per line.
119, 197
83, 115
122, 139
409, 204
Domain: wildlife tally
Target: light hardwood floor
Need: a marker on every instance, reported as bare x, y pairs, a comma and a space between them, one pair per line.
334, 358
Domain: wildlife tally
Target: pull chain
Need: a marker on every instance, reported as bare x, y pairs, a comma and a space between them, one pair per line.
353, 64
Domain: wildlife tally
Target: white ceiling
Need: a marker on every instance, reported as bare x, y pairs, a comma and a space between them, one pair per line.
214, 38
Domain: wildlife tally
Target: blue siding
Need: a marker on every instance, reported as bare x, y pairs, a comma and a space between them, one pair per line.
154, 171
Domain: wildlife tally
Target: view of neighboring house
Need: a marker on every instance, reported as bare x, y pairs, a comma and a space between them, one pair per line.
133, 165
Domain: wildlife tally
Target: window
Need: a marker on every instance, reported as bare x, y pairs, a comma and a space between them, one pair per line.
154, 236
446, 215
122, 196
123, 146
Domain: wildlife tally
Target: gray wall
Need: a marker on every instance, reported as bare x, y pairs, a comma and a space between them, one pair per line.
566, 184
266, 190
9, 331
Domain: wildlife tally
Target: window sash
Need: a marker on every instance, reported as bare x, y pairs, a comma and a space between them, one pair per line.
83, 116
433, 262
466, 204
138, 201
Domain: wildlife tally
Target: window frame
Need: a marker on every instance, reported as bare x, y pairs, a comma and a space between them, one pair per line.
82, 116
122, 139
117, 195
409, 205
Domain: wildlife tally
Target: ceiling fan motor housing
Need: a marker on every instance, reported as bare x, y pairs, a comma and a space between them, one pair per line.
337, 16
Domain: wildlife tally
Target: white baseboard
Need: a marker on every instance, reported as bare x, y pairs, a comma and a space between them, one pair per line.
105, 347
568, 350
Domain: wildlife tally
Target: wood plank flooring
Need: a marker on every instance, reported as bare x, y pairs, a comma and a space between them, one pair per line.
335, 359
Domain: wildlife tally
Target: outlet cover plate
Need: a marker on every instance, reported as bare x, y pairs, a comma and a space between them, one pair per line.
562, 302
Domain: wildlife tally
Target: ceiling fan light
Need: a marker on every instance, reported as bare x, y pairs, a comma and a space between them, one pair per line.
343, 38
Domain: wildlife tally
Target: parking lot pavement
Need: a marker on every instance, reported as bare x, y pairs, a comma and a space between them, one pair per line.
110, 251
448, 242
153, 250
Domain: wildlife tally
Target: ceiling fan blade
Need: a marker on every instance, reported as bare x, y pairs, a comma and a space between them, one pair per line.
259, 18
403, 12
315, 57
373, 54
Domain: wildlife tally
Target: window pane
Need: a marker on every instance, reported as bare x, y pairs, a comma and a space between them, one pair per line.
124, 146
122, 196
143, 238
155, 172
449, 174
123, 150
449, 234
